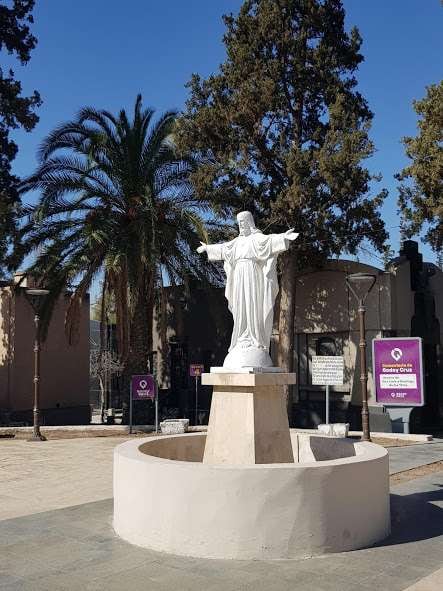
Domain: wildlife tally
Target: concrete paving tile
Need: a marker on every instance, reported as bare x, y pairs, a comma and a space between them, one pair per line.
173, 561
16, 586
406, 458
57, 581
97, 570
396, 583
290, 569
259, 585
218, 569
331, 581
301, 584
22, 566
408, 570
8, 578
433, 582
58, 556
141, 579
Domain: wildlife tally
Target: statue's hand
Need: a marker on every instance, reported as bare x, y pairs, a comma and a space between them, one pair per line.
202, 248
290, 234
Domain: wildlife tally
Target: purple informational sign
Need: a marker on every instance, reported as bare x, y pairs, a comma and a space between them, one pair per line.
398, 371
196, 370
143, 387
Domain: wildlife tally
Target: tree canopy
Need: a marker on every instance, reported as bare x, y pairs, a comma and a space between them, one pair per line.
115, 202
282, 130
421, 190
15, 111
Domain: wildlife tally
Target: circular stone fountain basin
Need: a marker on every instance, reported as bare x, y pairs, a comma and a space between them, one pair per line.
334, 498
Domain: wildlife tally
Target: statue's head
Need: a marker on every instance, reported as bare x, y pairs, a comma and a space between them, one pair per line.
246, 223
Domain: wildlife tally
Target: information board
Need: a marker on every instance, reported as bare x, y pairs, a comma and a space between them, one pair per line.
398, 371
327, 370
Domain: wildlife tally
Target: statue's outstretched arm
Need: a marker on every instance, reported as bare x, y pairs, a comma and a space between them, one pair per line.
214, 251
290, 234
280, 242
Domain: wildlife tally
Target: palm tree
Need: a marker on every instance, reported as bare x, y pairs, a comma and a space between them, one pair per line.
115, 201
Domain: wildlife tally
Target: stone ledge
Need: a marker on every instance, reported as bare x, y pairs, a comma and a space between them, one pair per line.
248, 379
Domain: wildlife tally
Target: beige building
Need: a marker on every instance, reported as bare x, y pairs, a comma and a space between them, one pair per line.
64, 397
407, 300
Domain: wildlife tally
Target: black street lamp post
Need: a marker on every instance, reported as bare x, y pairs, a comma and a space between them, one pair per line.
36, 299
360, 284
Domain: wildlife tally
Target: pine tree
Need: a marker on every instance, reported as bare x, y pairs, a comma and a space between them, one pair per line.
282, 130
421, 188
15, 111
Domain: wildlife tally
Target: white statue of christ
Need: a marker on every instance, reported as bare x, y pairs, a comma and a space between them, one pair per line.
250, 262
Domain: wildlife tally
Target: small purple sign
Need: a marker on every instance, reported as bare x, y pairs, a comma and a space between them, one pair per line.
398, 371
143, 387
196, 370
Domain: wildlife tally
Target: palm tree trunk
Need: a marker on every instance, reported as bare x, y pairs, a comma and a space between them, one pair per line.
140, 338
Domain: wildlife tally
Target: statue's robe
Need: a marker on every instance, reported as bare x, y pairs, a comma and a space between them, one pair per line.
251, 286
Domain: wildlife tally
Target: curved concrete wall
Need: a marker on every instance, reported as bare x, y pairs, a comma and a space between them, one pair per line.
261, 511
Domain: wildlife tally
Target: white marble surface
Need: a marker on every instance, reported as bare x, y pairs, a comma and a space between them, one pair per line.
250, 262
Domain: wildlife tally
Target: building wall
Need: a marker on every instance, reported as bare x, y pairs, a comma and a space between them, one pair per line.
64, 371
198, 330
6, 340
326, 308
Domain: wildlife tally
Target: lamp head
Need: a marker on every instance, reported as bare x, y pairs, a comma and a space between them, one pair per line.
36, 297
360, 285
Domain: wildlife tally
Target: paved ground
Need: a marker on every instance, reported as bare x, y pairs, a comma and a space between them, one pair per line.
53, 474
429, 583
412, 456
48, 548
75, 549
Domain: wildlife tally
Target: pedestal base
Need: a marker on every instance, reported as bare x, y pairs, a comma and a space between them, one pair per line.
399, 416
248, 423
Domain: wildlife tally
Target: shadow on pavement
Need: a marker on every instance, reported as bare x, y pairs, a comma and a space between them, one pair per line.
414, 517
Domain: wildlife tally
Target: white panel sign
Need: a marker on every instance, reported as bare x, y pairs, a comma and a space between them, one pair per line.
394, 382
327, 370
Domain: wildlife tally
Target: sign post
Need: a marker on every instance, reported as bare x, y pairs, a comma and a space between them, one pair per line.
327, 404
327, 370
195, 371
142, 388
398, 375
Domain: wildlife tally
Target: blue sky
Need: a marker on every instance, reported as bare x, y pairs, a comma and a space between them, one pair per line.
103, 52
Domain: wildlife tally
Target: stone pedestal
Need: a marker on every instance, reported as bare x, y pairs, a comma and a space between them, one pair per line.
248, 423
